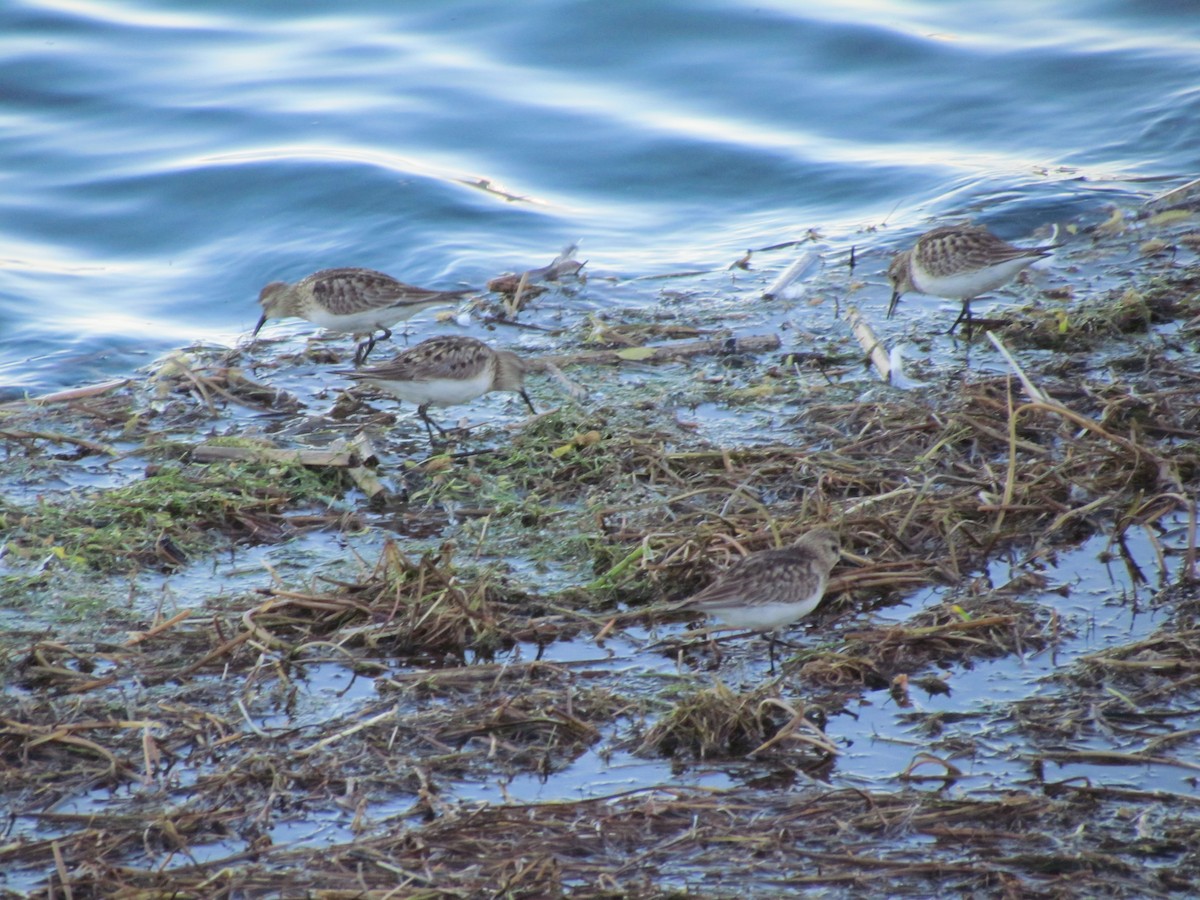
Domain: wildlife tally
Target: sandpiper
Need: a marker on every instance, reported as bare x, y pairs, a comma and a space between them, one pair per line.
959, 262
446, 370
771, 588
350, 300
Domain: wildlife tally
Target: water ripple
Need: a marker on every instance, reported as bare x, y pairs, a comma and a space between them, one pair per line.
162, 162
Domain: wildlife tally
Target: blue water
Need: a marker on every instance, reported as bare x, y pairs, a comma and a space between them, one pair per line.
160, 162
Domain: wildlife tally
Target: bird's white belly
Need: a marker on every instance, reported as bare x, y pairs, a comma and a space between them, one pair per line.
763, 616
440, 391
357, 323
965, 285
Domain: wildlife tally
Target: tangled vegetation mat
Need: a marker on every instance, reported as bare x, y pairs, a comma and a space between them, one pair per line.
259, 640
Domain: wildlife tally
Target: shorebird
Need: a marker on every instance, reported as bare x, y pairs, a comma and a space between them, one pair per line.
446, 370
771, 588
350, 301
959, 262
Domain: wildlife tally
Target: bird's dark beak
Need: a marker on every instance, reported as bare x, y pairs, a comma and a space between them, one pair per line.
892, 304
261, 322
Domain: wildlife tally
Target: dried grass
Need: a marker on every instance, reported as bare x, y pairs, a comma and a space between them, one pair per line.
177, 718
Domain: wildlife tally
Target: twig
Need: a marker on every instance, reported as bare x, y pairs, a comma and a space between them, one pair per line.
60, 866
57, 438
217, 452
250, 722
513, 306
817, 740
869, 342
1034, 393
68, 395
231, 644
1113, 757
363, 452
661, 353
574, 389
138, 636
392, 714
799, 269
1039, 401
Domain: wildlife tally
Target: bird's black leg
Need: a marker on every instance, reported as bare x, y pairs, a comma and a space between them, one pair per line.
716, 651
961, 314
422, 411
363, 351
528, 402
386, 336
365, 348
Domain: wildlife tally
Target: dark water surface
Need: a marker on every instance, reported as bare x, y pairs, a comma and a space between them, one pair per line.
162, 161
